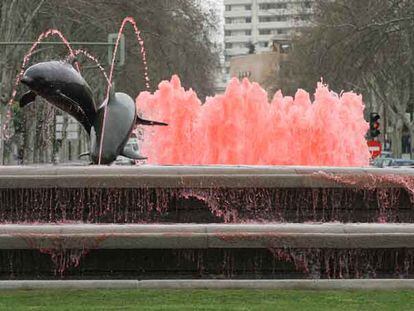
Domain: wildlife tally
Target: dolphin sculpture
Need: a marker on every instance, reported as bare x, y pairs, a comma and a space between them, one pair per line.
120, 121
62, 86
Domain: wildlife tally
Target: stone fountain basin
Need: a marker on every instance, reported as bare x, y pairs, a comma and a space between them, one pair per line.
205, 194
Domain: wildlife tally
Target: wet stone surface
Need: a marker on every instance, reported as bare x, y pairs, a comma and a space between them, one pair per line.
212, 263
212, 205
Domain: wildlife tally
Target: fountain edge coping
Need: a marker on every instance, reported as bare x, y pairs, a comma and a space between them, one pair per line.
189, 176
293, 284
191, 236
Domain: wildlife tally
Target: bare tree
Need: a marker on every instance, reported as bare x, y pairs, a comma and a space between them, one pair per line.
365, 46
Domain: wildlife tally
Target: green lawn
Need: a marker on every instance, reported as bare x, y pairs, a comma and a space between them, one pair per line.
205, 300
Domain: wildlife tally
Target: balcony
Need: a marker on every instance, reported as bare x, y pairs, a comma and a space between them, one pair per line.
241, 26
237, 51
237, 2
238, 13
276, 25
238, 38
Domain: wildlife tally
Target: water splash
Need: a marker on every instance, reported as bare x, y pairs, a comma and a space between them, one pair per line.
242, 127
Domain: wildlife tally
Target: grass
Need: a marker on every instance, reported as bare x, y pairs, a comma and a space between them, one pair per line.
205, 300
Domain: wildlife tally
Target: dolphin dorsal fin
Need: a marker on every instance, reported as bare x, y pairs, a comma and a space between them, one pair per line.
112, 92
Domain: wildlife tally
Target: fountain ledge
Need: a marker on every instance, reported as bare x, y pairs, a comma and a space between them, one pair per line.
147, 176
205, 236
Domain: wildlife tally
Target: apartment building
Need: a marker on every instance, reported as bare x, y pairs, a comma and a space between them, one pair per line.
251, 26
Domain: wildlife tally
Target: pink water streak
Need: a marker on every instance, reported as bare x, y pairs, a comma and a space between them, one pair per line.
242, 127
94, 59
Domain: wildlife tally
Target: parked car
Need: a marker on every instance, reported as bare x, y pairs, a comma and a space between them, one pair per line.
401, 163
391, 162
386, 154
381, 162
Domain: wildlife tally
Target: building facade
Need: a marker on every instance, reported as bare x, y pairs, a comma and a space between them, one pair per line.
251, 26
264, 68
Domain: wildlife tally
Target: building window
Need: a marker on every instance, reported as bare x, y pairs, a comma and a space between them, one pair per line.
248, 7
269, 19
228, 7
264, 31
238, 20
244, 74
272, 6
282, 31
227, 33
307, 4
248, 32
229, 45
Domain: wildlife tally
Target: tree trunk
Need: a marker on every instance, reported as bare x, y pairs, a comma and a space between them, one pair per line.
396, 143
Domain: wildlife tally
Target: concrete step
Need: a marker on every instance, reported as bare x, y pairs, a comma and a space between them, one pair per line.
350, 284
205, 236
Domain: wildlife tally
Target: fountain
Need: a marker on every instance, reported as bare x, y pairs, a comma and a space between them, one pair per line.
219, 197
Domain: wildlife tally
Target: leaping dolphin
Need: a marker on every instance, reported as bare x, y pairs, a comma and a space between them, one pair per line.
62, 86
121, 119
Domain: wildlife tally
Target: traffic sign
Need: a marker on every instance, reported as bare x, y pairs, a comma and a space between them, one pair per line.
375, 148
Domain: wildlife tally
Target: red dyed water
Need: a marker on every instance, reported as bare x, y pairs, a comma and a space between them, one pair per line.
386, 188
242, 127
63, 254
348, 263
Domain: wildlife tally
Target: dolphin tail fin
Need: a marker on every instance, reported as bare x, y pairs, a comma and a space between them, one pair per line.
149, 122
132, 154
84, 154
27, 99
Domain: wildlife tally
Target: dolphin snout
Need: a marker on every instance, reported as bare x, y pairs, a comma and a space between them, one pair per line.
26, 80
